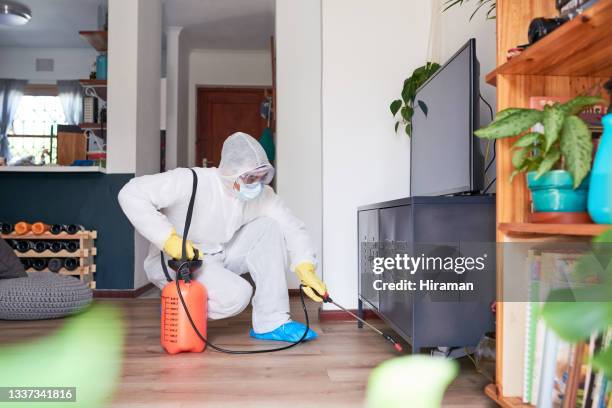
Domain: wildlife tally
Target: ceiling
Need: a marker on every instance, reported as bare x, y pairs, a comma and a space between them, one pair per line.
54, 23
214, 24
223, 24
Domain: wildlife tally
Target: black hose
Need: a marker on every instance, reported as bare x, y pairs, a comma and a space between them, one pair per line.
228, 351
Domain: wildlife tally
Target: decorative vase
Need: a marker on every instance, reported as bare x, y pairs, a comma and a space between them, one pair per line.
600, 194
554, 192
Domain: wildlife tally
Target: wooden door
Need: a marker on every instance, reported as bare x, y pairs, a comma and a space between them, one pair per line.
221, 112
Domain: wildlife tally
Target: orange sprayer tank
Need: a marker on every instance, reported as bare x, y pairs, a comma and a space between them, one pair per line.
177, 334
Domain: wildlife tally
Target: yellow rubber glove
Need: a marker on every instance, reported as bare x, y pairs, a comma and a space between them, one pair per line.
306, 273
174, 246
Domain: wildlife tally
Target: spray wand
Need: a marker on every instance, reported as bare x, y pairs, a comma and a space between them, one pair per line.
327, 299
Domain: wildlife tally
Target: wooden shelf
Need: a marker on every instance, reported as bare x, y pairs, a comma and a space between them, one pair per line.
504, 402
525, 228
48, 235
97, 39
81, 270
61, 254
92, 126
580, 47
93, 83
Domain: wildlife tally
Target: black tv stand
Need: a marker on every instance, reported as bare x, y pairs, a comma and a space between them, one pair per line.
421, 321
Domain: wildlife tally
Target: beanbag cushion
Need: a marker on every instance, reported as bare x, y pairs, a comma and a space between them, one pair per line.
42, 295
10, 265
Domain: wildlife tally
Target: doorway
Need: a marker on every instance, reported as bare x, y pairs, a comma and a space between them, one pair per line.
221, 112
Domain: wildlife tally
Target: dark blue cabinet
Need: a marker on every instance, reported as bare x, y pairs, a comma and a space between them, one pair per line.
431, 226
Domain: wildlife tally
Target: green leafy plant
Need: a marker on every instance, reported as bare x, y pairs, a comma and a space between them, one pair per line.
491, 7
565, 143
405, 106
574, 314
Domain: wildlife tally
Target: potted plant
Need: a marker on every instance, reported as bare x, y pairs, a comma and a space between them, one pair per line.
405, 105
556, 160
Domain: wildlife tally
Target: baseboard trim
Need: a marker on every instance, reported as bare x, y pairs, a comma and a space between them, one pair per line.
339, 315
122, 293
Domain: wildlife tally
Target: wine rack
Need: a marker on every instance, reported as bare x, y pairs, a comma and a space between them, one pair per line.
85, 252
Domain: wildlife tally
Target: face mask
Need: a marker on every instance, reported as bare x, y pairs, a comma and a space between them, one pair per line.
249, 192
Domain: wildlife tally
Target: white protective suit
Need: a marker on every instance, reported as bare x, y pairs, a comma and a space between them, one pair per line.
234, 236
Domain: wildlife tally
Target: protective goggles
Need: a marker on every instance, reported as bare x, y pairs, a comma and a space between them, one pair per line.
263, 174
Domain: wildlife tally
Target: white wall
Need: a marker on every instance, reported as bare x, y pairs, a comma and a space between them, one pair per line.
298, 85
369, 48
456, 29
182, 145
70, 63
134, 73
148, 110
172, 101
223, 68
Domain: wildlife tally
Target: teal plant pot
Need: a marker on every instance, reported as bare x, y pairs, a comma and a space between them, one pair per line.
554, 192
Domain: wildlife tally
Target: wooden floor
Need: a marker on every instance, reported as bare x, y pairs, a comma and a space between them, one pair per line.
330, 372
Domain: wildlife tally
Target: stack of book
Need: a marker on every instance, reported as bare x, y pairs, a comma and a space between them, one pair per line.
576, 383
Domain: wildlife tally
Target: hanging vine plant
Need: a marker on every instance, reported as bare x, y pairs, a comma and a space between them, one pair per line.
491, 6
405, 106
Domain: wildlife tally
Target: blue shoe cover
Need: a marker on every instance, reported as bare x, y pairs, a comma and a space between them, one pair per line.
289, 332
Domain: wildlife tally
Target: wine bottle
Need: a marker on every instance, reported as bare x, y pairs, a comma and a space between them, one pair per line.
40, 228
56, 245
39, 263
26, 262
71, 246
71, 263
22, 228
55, 264
57, 229
73, 228
6, 228
40, 246
22, 245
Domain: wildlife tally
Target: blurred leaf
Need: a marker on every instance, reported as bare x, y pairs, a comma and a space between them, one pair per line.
423, 107
85, 353
553, 122
519, 157
408, 129
396, 126
604, 238
507, 112
577, 147
548, 162
407, 113
511, 125
395, 106
575, 321
579, 103
528, 140
603, 361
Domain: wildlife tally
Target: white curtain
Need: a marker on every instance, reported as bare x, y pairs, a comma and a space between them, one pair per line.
71, 97
11, 91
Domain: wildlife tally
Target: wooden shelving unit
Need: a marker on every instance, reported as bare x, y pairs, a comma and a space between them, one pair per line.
93, 83
92, 126
568, 62
505, 402
580, 47
97, 39
85, 253
579, 230
99, 85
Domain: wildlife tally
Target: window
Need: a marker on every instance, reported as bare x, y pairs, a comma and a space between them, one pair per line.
34, 128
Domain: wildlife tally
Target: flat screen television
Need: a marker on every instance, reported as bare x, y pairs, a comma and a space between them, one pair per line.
445, 156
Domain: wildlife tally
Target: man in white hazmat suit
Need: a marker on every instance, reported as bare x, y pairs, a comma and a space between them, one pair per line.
239, 225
